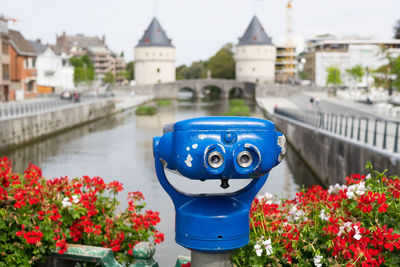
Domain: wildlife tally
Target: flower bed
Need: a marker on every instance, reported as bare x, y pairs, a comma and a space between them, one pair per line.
39, 216
356, 224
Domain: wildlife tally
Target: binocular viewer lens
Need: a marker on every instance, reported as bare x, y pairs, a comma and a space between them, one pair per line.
215, 159
244, 159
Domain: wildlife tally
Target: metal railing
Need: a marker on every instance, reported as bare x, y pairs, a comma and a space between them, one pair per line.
371, 131
10, 110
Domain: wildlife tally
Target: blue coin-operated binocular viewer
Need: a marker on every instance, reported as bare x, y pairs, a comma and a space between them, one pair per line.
217, 148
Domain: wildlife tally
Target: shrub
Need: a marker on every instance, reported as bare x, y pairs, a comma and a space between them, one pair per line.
146, 111
238, 111
39, 216
356, 224
164, 102
237, 102
238, 107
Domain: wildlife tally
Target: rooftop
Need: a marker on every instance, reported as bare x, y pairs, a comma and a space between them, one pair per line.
255, 34
154, 35
38, 46
20, 44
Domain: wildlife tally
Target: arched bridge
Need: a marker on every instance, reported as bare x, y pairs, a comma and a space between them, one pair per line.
200, 88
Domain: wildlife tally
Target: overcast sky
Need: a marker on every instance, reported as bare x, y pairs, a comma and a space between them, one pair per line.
197, 28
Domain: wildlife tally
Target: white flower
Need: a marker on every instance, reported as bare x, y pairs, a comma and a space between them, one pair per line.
267, 197
323, 216
345, 226
368, 176
268, 246
258, 249
357, 235
296, 214
356, 189
75, 199
334, 189
65, 202
317, 260
260, 198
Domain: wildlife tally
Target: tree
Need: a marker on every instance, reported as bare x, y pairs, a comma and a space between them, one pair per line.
181, 72
388, 75
222, 64
109, 78
333, 76
83, 69
302, 75
196, 70
356, 73
130, 70
397, 30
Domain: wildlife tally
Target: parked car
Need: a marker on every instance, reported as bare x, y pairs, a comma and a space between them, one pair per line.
67, 95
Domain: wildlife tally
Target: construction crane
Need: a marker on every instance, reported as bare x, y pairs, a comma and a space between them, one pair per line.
289, 57
7, 19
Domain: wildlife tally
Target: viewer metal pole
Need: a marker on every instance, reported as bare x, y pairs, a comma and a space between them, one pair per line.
200, 259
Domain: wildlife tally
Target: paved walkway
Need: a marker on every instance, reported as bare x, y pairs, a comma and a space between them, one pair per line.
269, 103
128, 101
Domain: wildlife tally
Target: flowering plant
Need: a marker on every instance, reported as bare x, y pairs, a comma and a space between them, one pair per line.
356, 224
39, 216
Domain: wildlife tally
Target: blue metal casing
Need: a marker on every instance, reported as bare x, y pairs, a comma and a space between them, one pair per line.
217, 222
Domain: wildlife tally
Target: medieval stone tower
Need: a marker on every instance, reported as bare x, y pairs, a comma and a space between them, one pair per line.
154, 56
255, 55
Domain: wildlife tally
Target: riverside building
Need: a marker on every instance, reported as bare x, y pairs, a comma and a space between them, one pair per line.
154, 56
255, 55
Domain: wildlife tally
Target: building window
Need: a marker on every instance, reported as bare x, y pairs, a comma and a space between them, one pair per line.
33, 63
26, 63
159, 81
6, 72
4, 48
30, 86
158, 70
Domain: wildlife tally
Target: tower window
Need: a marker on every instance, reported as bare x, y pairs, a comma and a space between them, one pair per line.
158, 70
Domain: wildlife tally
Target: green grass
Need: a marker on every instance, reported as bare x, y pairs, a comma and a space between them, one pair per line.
237, 102
145, 111
238, 111
237, 107
164, 103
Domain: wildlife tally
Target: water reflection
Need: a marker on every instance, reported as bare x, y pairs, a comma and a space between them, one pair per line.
120, 148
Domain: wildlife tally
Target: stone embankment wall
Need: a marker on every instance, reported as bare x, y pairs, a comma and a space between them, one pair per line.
19, 130
330, 156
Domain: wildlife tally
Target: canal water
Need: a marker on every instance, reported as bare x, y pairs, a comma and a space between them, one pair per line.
120, 148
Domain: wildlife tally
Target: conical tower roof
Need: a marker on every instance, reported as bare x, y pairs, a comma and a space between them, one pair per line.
255, 34
154, 36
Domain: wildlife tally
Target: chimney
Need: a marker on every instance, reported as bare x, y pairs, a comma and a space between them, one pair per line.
38, 40
103, 39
